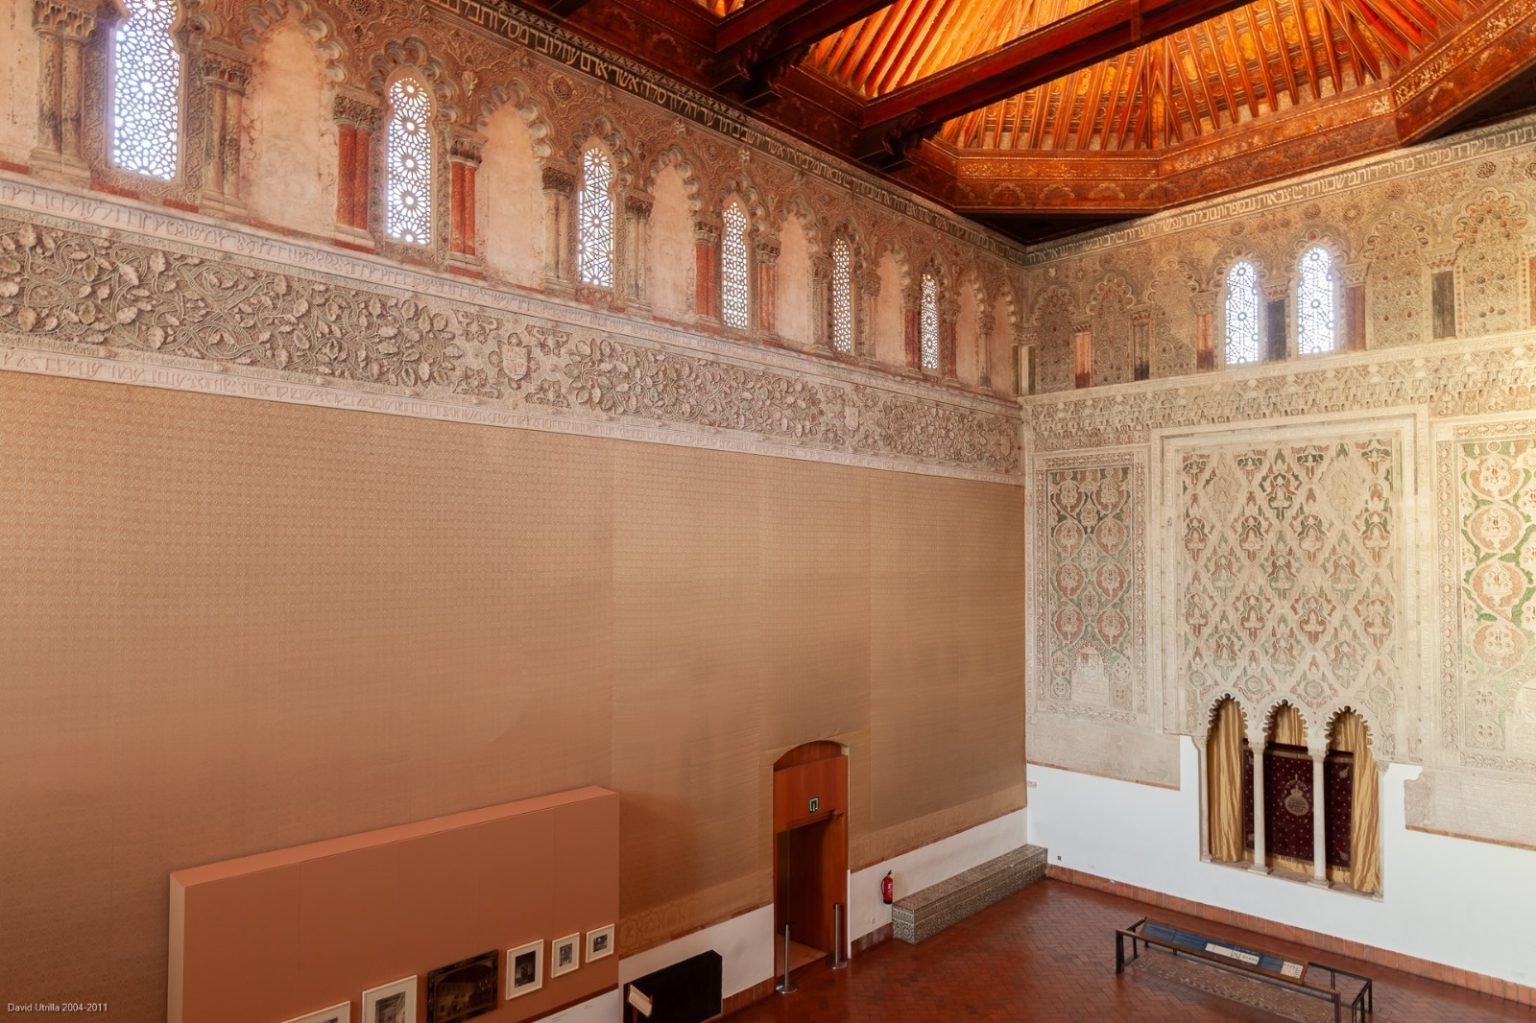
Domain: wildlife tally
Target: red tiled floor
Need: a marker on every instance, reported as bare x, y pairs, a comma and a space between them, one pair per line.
1048, 954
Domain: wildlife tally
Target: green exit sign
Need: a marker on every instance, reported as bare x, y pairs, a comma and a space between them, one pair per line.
815, 803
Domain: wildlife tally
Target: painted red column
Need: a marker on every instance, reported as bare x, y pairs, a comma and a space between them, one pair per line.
1205, 352
706, 254
767, 286
361, 179
346, 150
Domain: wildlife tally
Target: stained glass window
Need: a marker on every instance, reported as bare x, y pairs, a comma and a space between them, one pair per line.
408, 171
146, 81
928, 322
842, 295
1314, 303
594, 219
1242, 342
733, 268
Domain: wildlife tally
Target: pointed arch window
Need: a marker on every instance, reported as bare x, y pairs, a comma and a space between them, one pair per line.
1316, 323
928, 322
842, 296
1242, 338
733, 267
594, 220
146, 90
408, 164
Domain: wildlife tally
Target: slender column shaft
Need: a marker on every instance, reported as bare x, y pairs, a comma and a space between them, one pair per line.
1260, 854
1319, 822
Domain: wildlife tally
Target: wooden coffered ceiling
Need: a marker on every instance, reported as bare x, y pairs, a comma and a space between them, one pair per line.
1044, 116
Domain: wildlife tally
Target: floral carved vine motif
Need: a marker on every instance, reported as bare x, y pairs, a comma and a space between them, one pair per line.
1487, 503
92, 293
1088, 529
1288, 575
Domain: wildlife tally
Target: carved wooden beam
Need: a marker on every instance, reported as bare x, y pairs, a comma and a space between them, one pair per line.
762, 40
566, 8
898, 120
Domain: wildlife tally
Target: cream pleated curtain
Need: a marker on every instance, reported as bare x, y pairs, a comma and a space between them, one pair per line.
1224, 782
1349, 734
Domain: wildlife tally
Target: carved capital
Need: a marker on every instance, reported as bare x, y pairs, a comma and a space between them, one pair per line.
706, 231
637, 207
767, 251
69, 19
468, 149
226, 67
362, 114
559, 180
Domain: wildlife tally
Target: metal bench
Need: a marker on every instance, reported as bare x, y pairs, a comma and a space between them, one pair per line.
1308, 980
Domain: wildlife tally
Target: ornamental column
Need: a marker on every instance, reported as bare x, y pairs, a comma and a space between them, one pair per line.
357, 119
912, 328
706, 269
1260, 854
1205, 331
1319, 822
1352, 330
823, 330
637, 226
866, 298
226, 73
1141, 343
985, 324
464, 154
949, 315
63, 27
559, 230
766, 266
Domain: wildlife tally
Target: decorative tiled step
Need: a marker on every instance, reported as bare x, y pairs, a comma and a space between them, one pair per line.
924, 914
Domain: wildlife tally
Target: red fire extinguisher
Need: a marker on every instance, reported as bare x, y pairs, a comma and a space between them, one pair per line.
887, 889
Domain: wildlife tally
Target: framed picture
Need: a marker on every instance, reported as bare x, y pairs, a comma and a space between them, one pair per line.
335, 1014
600, 943
525, 969
464, 990
391, 1003
565, 954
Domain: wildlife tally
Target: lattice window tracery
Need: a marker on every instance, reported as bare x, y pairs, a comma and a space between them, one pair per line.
1242, 336
842, 295
594, 243
733, 267
408, 164
928, 322
1316, 324
146, 90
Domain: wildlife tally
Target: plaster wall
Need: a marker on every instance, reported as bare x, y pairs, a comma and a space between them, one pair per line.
670, 263
511, 202
796, 306
1443, 899
18, 83
290, 176
889, 337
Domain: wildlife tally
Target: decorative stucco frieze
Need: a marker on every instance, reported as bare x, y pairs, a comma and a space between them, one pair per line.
230, 301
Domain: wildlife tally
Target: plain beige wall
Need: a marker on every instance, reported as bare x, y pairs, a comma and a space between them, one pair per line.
232, 626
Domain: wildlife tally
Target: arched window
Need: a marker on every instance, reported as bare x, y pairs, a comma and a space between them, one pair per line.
842, 296
1315, 323
146, 90
408, 164
733, 267
1242, 341
594, 220
928, 322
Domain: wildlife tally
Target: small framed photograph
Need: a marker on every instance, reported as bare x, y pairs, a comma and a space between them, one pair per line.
565, 954
335, 1014
391, 1003
525, 969
600, 943
463, 990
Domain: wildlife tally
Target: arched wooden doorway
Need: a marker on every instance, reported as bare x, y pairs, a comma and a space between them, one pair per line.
810, 840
